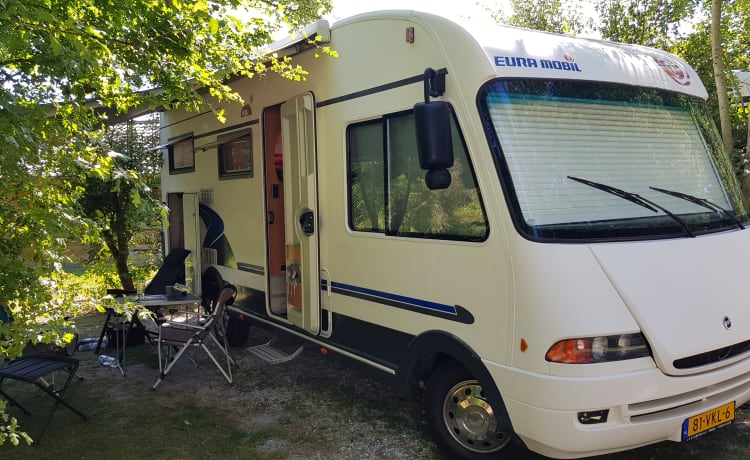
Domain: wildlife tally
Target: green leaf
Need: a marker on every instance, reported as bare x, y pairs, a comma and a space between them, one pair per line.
55, 45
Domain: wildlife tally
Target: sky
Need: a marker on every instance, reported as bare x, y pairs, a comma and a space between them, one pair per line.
464, 9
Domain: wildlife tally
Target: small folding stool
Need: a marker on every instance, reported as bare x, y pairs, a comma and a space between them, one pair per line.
33, 368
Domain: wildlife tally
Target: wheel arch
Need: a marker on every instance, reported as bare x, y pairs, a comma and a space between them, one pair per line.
429, 350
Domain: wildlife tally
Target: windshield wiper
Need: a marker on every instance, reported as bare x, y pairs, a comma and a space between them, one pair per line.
635, 198
702, 202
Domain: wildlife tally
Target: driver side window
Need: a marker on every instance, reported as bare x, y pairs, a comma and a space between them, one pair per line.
387, 191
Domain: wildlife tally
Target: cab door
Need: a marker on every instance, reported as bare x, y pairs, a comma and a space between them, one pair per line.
301, 212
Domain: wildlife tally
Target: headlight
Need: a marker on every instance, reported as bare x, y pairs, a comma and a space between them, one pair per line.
599, 349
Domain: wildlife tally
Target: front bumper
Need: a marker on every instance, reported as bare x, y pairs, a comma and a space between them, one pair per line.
645, 406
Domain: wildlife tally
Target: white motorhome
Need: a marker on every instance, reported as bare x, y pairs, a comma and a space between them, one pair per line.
537, 235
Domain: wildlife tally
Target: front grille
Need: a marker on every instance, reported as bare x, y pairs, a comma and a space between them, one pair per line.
712, 356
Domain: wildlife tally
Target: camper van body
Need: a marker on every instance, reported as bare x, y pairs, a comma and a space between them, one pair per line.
594, 320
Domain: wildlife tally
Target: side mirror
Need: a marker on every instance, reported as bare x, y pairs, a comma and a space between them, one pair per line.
434, 142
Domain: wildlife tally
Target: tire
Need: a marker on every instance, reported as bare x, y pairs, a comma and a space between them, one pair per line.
461, 420
237, 332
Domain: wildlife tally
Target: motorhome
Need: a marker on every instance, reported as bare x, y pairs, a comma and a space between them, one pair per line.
538, 236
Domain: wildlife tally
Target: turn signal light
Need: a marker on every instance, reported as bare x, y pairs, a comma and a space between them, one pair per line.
573, 351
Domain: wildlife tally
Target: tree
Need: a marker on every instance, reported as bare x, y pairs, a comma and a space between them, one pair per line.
125, 202
654, 23
563, 17
57, 57
735, 23
717, 55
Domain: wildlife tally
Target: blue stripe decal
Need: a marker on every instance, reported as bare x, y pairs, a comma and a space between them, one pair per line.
450, 309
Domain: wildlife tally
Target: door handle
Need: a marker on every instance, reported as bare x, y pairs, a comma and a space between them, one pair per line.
307, 222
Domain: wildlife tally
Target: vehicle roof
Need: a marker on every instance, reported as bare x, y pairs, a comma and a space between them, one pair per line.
518, 52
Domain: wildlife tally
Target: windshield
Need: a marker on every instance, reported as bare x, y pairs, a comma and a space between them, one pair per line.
579, 159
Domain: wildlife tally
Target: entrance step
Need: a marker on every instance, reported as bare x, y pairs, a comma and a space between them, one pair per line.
270, 354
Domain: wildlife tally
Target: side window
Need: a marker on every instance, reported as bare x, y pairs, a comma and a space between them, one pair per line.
236, 157
181, 156
366, 177
387, 191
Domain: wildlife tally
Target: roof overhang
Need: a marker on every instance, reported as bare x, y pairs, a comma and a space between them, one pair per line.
170, 142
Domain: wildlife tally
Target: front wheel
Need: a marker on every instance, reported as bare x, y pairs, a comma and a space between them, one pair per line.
461, 420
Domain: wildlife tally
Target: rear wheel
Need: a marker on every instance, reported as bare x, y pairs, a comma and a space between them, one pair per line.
237, 331
461, 420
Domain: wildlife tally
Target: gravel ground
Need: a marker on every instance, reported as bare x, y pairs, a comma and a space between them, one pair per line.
327, 410
336, 412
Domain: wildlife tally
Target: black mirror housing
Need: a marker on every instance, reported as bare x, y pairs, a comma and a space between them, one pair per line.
433, 128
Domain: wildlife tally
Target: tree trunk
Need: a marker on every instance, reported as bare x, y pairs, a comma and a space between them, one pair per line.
721, 84
120, 250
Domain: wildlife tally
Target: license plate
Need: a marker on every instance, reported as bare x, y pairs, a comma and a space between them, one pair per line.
707, 421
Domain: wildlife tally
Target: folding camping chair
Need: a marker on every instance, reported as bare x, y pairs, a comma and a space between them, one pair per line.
39, 368
171, 271
195, 331
36, 368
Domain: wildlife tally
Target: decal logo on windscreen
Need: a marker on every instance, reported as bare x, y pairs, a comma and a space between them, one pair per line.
567, 64
674, 69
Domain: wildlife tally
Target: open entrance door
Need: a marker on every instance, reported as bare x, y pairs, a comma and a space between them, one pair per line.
184, 232
300, 210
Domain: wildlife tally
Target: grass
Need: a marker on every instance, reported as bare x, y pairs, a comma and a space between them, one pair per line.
144, 428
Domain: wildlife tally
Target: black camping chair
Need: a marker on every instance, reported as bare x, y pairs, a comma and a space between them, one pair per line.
172, 271
39, 369
36, 368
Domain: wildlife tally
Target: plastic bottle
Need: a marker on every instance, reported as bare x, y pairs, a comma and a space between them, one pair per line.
110, 361
140, 287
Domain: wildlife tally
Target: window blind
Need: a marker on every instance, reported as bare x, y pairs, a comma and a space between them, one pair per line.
627, 146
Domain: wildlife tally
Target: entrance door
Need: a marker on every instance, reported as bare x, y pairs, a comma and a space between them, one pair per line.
301, 212
184, 232
176, 229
